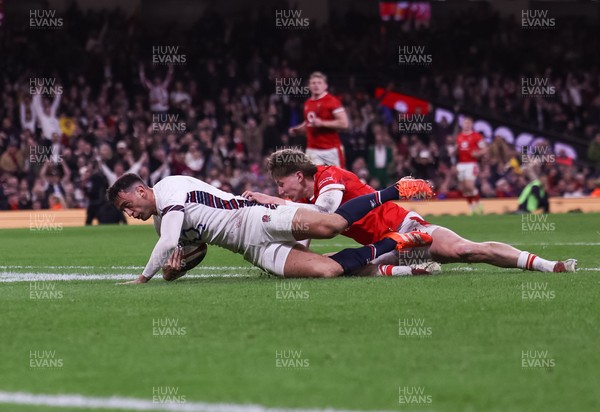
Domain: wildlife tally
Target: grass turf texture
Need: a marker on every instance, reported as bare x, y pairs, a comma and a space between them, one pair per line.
347, 329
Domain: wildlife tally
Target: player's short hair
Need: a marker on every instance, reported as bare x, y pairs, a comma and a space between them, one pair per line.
286, 162
123, 184
319, 75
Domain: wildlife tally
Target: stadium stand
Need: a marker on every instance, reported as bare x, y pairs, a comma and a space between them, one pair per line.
101, 105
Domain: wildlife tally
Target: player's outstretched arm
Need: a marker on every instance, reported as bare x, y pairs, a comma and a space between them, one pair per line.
168, 241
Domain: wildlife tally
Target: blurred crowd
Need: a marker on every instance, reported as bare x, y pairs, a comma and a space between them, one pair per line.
81, 105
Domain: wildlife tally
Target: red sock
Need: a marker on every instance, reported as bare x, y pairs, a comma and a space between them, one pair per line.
385, 270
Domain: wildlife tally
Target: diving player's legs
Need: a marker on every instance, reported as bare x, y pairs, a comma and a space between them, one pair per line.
293, 260
448, 247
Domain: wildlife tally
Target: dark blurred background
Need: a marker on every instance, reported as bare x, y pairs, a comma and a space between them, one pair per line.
87, 92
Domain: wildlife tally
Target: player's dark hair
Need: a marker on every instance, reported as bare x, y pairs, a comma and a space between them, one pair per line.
286, 162
123, 184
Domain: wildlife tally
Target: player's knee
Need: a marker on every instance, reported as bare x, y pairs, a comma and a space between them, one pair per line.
324, 231
333, 226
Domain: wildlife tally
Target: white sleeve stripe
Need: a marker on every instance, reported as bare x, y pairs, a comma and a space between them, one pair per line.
332, 186
339, 110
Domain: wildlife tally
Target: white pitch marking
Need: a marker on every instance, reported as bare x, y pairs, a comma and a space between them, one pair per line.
557, 244
84, 402
9, 277
117, 267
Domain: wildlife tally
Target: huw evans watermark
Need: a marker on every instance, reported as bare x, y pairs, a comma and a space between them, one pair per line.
168, 123
167, 395
413, 123
42, 154
536, 223
414, 55
537, 154
413, 395
44, 19
414, 327
167, 327
44, 359
291, 87
44, 290
44, 222
44, 85
536, 291
285, 290
410, 257
537, 359
291, 19
537, 19
537, 87
291, 359
168, 55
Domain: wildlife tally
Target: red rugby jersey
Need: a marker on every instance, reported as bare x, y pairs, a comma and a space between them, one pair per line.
371, 228
466, 145
324, 108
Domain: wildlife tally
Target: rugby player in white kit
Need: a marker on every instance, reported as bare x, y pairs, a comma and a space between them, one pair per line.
187, 210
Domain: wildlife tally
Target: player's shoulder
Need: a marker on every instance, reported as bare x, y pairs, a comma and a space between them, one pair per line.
172, 182
330, 176
324, 171
333, 100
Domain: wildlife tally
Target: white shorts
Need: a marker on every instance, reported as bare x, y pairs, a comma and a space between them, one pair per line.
268, 237
467, 171
272, 258
329, 157
413, 222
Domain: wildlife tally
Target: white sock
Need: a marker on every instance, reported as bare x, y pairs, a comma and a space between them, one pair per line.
530, 261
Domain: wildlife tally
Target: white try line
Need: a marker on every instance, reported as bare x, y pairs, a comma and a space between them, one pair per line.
134, 404
10, 277
44, 267
556, 244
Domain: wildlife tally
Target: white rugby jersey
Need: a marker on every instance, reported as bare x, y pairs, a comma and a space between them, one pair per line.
209, 215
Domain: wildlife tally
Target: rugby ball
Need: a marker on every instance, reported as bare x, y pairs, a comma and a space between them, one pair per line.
193, 255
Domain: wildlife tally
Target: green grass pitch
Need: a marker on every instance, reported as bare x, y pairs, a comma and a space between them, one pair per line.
459, 340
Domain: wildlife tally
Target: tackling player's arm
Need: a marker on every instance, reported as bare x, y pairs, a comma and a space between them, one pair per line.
330, 199
170, 229
323, 207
